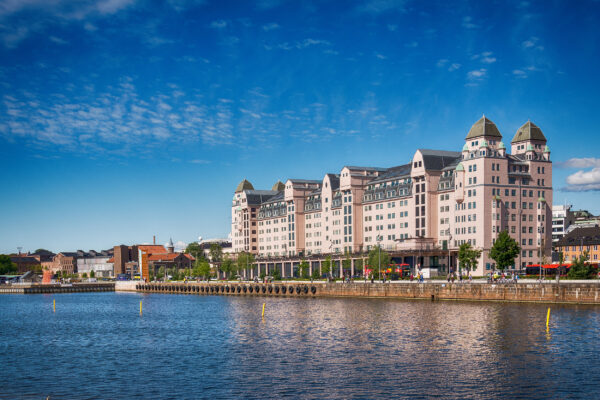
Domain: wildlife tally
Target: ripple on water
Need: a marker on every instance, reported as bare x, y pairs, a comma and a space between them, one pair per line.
97, 346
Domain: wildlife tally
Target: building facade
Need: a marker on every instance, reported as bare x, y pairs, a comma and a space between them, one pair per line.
580, 241
440, 198
562, 218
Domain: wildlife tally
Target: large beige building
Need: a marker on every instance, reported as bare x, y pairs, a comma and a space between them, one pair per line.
432, 205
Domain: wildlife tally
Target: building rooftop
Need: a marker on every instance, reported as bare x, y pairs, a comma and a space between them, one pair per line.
529, 131
244, 185
483, 127
581, 237
437, 160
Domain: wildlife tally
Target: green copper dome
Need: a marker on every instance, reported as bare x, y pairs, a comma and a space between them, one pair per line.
529, 147
460, 167
502, 146
465, 147
546, 149
483, 144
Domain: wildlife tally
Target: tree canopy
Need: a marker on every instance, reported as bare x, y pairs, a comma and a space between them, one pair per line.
304, 269
195, 250
374, 257
202, 268
216, 252
579, 268
244, 260
468, 256
504, 251
6, 265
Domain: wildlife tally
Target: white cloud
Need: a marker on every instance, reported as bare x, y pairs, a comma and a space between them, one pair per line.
531, 42
442, 63
582, 181
412, 44
586, 162
271, 26
476, 74
486, 57
380, 56
200, 161
453, 67
58, 40
519, 73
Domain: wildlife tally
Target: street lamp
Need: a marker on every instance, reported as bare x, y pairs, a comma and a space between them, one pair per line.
379, 239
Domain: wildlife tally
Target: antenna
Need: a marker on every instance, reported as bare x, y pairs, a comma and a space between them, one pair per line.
20, 248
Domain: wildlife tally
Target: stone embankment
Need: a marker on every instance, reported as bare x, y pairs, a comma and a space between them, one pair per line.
57, 288
564, 292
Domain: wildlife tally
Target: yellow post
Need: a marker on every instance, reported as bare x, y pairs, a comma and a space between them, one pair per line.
548, 319
263, 312
140, 307
53, 305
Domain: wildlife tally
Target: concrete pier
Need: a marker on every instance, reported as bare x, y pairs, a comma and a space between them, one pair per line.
565, 292
57, 288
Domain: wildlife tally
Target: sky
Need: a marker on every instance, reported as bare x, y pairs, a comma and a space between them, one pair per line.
125, 119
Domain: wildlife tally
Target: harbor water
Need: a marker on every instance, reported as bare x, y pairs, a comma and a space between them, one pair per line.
98, 346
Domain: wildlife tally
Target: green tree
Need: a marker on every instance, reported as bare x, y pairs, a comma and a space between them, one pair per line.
161, 272
84, 275
468, 256
579, 268
347, 263
373, 260
7, 267
276, 274
203, 268
315, 273
244, 261
304, 269
216, 253
227, 267
504, 251
195, 250
92, 274
326, 266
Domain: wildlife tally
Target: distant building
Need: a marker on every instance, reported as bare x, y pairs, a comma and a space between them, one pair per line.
102, 263
583, 219
124, 255
64, 262
562, 218
578, 241
26, 263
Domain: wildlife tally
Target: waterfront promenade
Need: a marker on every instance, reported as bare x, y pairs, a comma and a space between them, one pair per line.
569, 292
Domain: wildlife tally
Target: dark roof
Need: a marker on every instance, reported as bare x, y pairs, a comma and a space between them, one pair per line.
393, 172
311, 181
378, 169
69, 254
590, 236
335, 181
23, 259
43, 253
256, 197
280, 196
437, 160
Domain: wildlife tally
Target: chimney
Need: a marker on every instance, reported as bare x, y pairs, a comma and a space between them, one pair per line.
154, 239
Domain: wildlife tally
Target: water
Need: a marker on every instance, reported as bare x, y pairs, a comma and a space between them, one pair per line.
96, 346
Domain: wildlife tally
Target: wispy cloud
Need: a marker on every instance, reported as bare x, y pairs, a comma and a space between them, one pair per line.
218, 24
487, 57
270, 27
303, 44
382, 6
532, 43
467, 22
585, 162
454, 67
380, 56
412, 44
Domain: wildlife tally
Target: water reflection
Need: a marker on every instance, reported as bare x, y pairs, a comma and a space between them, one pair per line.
97, 346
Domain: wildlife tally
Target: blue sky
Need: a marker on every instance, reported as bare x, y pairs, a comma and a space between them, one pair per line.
124, 119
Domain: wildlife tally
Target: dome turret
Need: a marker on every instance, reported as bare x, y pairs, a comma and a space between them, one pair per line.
278, 186
529, 131
244, 185
483, 127
460, 167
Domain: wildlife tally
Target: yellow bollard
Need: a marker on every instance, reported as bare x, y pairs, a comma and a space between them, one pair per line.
263, 312
53, 305
548, 319
140, 307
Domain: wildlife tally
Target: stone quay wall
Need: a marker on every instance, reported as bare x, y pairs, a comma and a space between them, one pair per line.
57, 288
564, 292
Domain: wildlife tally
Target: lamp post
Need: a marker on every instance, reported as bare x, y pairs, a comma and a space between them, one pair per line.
379, 238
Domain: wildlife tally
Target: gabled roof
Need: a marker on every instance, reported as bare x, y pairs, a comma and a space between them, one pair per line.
152, 248
244, 185
529, 131
483, 127
168, 256
256, 197
437, 160
280, 196
372, 169
335, 181
581, 236
393, 172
